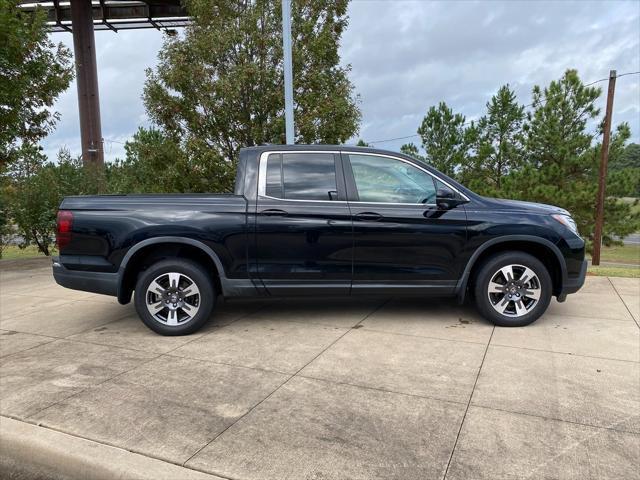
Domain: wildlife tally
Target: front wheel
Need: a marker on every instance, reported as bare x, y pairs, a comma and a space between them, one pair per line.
174, 297
513, 289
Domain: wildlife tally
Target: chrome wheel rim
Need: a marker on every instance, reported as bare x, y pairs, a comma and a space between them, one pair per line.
173, 299
514, 290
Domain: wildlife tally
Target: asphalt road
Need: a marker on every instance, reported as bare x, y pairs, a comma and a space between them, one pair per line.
633, 239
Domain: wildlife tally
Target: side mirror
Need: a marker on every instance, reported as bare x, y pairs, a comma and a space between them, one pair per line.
445, 194
446, 199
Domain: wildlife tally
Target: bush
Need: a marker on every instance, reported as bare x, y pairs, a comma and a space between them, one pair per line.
33, 189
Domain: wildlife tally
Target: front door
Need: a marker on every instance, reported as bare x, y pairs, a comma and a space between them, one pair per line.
402, 239
303, 224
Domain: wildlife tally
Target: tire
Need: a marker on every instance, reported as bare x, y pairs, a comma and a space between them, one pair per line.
181, 294
516, 302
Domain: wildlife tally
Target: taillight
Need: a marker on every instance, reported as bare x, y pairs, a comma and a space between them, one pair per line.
63, 228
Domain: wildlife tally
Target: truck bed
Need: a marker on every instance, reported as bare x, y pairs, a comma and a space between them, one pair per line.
105, 227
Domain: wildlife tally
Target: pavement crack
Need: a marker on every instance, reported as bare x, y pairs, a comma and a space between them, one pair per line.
283, 383
464, 417
624, 303
30, 416
570, 354
611, 426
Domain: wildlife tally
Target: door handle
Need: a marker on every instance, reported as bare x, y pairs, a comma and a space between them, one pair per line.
369, 216
274, 212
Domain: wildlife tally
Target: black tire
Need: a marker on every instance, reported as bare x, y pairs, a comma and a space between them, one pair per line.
490, 268
194, 272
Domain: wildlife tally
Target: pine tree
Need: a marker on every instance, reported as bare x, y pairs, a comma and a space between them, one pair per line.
444, 139
497, 142
561, 165
412, 150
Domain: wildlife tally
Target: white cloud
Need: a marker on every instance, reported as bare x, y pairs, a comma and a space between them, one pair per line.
462, 52
408, 55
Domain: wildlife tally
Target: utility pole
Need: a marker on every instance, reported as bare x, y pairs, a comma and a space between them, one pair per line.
84, 48
602, 179
288, 71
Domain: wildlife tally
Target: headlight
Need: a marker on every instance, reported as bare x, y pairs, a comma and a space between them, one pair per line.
567, 221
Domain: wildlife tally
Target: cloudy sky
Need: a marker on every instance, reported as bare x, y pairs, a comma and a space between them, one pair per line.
409, 55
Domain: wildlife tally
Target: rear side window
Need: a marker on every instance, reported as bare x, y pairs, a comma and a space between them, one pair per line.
301, 176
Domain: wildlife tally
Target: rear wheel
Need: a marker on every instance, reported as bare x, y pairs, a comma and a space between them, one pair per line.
174, 297
513, 289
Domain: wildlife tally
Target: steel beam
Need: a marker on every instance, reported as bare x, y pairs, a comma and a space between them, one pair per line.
84, 47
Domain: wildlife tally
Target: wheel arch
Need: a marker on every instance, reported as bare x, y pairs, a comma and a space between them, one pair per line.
544, 250
154, 249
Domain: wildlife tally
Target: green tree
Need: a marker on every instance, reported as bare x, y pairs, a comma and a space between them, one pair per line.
561, 163
412, 150
33, 72
30, 195
444, 139
34, 188
220, 86
629, 158
497, 143
627, 165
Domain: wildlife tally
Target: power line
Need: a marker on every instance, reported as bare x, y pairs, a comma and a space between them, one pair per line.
397, 138
114, 141
526, 106
625, 74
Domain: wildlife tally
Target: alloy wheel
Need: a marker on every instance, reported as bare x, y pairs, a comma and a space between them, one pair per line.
173, 299
514, 290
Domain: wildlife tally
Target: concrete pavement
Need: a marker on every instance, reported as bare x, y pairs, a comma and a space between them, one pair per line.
357, 388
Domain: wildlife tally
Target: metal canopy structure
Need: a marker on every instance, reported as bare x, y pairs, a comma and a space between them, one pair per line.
81, 18
115, 14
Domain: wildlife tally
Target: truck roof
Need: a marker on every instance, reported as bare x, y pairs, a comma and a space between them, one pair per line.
257, 150
317, 147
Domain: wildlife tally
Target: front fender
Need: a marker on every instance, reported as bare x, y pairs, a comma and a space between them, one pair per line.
461, 287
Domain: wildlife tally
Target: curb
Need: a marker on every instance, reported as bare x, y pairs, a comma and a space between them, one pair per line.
39, 452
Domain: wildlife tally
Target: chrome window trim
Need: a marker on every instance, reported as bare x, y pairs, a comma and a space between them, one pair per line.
262, 177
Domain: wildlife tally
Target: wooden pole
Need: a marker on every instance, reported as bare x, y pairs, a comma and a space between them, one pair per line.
84, 47
602, 179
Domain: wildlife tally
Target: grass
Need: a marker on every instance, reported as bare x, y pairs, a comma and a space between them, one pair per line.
628, 256
608, 271
12, 252
621, 254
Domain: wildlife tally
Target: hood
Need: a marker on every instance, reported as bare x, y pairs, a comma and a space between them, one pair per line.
518, 205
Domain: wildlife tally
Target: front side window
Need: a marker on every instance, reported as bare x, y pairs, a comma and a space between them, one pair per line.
301, 176
388, 180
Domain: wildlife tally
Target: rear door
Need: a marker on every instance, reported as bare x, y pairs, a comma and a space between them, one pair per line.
402, 241
303, 223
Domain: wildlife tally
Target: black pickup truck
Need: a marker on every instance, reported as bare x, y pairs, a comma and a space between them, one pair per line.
321, 220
